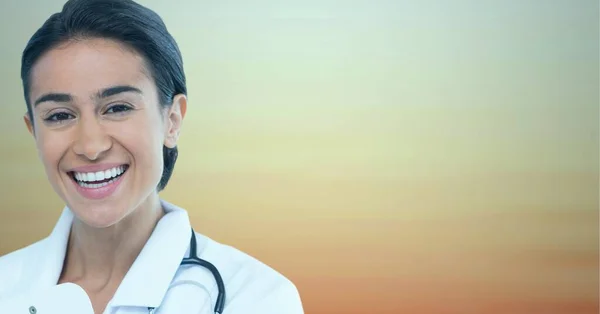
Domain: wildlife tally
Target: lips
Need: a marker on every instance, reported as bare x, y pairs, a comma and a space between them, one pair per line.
98, 183
98, 178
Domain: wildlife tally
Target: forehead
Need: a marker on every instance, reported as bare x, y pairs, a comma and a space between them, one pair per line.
83, 67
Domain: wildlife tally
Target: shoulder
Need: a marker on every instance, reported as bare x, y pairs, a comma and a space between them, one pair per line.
250, 284
15, 265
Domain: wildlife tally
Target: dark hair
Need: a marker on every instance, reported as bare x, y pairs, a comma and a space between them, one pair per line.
127, 22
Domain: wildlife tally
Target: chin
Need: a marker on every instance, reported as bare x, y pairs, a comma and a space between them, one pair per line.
99, 216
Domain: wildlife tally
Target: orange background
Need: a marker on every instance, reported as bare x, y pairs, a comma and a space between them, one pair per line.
387, 156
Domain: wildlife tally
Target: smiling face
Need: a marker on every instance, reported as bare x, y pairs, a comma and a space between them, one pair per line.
99, 128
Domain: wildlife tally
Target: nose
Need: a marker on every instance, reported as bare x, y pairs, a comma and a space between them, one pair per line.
92, 141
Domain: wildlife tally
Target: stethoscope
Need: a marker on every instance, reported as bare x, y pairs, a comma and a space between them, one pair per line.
195, 260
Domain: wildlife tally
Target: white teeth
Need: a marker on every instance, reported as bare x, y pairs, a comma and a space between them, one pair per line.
86, 178
99, 175
95, 185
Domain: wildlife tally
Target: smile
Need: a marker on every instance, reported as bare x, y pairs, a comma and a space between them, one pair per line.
99, 179
97, 185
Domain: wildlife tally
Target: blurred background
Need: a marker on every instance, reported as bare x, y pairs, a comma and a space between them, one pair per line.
386, 156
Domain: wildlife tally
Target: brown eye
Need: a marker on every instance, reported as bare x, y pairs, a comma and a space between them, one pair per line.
59, 116
118, 109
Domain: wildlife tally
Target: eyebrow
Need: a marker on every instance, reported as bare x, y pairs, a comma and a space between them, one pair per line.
105, 93
53, 97
111, 91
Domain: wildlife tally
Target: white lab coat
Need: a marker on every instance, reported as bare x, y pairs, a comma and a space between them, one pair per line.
156, 279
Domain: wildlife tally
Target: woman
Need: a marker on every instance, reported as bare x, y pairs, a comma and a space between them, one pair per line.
106, 96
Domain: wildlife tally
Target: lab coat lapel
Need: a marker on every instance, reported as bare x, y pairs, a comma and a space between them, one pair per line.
149, 278
44, 264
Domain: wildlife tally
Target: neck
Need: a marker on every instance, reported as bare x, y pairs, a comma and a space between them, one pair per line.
100, 256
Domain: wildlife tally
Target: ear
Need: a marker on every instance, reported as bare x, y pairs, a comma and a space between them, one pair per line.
29, 124
174, 117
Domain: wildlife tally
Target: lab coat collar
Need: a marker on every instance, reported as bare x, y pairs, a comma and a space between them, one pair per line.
149, 278
53, 253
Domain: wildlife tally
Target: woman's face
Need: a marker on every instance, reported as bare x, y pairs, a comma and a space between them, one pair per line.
99, 128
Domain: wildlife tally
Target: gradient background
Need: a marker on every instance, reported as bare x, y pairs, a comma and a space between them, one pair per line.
387, 156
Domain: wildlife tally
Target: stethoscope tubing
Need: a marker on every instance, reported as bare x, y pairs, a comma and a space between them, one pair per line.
193, 259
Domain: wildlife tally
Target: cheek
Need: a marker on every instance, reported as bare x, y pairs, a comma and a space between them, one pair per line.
50, 149
143, 138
